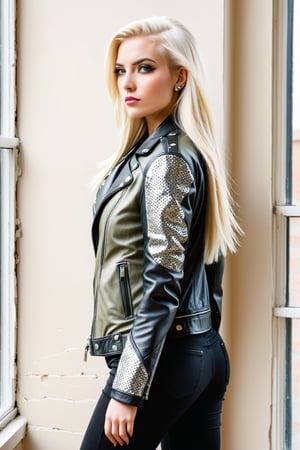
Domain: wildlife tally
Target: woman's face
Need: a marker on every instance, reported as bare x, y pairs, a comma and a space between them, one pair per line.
145, 81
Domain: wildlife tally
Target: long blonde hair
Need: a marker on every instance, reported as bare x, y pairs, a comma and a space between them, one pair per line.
191, 114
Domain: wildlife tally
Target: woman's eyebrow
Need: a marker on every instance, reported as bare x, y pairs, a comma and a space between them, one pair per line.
139, 61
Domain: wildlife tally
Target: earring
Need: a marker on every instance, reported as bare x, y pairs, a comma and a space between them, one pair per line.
178, 88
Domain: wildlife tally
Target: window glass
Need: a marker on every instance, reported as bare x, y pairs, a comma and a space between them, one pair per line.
0, 272
295, 385
296, 106
293, 241
294, 262
296, 166
1, 63
294, 222
7, 213
1, 217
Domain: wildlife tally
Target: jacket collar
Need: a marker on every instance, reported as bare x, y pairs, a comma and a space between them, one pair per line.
166, 127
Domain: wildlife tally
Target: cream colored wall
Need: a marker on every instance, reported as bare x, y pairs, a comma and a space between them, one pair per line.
65, 124
248, 112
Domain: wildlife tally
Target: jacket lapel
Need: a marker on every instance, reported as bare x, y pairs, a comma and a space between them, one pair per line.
121, 175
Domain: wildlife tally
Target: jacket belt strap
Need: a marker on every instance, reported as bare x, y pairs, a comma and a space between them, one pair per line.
108, 345
114, 343
194, 324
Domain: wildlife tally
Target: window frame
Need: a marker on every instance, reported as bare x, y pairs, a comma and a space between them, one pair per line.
8, 291
284, 210
8, 149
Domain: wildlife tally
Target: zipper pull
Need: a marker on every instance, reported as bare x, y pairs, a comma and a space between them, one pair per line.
86, 349
122, 271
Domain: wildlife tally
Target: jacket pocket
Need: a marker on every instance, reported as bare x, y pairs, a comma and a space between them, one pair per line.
125, 289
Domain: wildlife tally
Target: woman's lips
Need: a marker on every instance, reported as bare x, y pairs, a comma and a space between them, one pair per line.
131, 100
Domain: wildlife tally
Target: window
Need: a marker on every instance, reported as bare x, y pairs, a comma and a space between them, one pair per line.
286, 411
8, 144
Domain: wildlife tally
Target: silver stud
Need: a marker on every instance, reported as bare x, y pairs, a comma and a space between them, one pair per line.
96, 346
114, 348
116, 337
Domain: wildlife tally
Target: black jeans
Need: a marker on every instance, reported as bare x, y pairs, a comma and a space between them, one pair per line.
183, 411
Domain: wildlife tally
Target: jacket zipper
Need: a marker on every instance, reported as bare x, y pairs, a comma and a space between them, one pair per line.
125, 289
149, 383
87, 347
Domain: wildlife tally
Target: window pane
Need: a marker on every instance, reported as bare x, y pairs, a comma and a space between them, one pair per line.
295, 379
296, 167
1, 275
1, 62
7, 284
296, 105
294, 262
7, 212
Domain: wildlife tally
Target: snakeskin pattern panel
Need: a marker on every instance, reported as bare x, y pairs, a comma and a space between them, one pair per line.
168, 181
131, 376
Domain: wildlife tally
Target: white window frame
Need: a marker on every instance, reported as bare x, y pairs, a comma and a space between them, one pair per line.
13, 432
282, 212
12, 427
8, 312
8, 101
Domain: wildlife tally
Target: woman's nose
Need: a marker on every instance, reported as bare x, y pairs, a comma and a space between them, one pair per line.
128, 82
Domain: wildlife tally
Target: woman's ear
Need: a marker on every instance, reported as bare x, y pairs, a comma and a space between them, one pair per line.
182, 76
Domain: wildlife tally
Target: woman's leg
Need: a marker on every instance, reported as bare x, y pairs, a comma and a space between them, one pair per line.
186, 396
147, 427
94, 437
185, 371
199, 427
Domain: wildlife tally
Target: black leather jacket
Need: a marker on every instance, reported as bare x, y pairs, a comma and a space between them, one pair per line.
150, 280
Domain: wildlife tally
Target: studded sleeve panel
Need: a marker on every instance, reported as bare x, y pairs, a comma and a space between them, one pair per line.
168, 181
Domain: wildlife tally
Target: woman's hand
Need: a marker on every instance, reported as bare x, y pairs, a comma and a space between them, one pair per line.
119, 421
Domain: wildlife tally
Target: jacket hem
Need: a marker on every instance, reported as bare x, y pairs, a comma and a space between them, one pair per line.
113, 344
110, 345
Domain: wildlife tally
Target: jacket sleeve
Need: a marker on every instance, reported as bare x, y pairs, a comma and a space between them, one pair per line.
166, 212
214, 275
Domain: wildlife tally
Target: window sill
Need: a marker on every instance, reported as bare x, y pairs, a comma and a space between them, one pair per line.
13, 433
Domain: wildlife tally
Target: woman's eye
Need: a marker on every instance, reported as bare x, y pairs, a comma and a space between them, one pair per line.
145, 68
119, 71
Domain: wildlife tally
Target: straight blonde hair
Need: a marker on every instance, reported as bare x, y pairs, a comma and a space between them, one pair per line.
191, 114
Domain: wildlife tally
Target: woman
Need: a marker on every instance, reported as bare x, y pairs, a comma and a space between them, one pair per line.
163, 221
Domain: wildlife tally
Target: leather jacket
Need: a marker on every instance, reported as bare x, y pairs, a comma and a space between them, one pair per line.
150, 281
